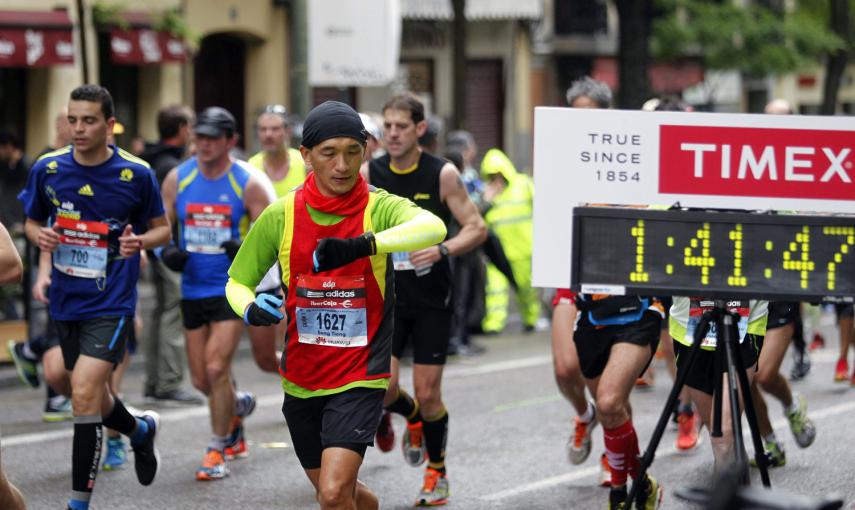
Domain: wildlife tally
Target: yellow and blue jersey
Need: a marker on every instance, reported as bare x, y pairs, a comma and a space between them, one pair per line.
209, 212
94, 204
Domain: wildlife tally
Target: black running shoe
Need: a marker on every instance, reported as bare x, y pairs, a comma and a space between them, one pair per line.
26, 368
617, 499
146, 456
801, 365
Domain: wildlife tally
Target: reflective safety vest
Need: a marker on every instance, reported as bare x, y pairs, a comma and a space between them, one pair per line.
510, 217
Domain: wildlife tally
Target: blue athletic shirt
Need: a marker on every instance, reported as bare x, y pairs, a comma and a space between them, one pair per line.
93, 204
209, 213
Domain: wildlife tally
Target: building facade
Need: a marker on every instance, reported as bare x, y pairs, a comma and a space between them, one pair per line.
147, 53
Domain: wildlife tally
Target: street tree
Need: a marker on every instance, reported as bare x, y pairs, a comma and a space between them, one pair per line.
635, 22
754, 39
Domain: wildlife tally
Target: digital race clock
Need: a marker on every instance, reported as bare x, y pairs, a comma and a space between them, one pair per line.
713, 253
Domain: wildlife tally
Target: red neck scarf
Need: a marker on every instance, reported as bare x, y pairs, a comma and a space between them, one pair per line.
352, 202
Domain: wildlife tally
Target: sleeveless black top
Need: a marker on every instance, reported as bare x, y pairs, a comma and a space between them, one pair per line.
432, 290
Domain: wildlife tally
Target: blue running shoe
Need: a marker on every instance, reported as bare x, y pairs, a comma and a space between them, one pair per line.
146, 456
244, 403
117, 454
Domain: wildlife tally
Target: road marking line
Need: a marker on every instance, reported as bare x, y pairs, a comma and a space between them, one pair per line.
275, 399
500, 366
165, 417
593, 470
534, 401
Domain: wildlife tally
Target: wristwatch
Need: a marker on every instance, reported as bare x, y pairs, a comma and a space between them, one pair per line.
443, 250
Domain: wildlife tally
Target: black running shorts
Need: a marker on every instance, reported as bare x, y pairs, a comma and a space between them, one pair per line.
702, 374
50, 335
594, 344
344, 420
104, 338
844, 310
426, 330
666, 302
199, 312
782, 313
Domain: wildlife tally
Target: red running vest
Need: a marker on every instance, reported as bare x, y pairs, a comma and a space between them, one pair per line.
323, 305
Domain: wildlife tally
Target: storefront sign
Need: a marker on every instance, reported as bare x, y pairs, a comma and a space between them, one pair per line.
145, 46
353, 44
35, 38
755, 162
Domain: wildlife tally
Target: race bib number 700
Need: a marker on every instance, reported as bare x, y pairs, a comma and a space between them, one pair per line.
82, 249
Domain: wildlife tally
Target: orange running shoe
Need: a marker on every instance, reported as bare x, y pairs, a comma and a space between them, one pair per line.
415, 451
385, 437
213, 466
605, 472
841, 373
435, 489
687, 431
579, 445
237, 448
818, 342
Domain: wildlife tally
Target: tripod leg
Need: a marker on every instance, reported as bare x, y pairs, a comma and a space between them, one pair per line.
718, 386
731, 334
751, 416
665, 417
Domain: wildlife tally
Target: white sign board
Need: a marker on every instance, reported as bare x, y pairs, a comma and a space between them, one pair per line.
739, 161
353, 44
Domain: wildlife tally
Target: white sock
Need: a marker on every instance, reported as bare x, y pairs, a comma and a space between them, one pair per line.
589, 413
219, 443
770, 438
794, 405
28, 353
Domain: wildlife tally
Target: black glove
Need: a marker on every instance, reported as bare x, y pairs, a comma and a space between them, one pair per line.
333, 252
231, 246
264, 311
174, 257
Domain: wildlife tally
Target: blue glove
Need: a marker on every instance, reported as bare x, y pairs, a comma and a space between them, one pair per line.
264, 311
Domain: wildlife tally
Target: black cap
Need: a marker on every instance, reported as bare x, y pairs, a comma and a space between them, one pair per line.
215, 122
332, 119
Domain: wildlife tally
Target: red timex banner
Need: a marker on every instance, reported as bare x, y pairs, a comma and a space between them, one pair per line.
144, 46
759, 162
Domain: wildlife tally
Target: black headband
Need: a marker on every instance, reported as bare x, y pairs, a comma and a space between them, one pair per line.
332, 119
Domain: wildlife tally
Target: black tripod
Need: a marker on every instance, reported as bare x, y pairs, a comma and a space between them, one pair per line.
727, 493
728, 359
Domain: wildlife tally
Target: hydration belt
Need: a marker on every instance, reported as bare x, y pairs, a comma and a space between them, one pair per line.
612, 310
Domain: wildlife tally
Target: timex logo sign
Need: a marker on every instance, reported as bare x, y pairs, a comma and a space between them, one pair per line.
762, 162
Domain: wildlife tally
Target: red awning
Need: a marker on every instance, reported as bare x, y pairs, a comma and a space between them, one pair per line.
139, 46
663, 76
35, 38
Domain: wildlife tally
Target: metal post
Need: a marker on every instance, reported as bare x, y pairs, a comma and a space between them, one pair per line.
299, 21
458, 116
81, 31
